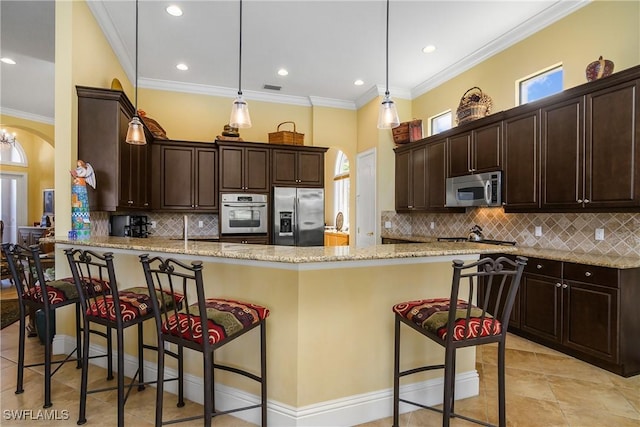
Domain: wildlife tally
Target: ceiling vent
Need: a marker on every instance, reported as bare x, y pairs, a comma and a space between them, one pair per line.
272, 87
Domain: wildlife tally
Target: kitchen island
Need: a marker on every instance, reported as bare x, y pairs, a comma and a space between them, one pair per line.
330, 331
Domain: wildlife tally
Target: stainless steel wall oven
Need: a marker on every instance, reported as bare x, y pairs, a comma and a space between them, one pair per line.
244, 213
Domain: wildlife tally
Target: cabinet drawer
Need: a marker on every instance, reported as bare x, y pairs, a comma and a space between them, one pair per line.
545, 267
591, 274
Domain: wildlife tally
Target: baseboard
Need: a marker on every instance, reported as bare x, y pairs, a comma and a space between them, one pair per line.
348, 411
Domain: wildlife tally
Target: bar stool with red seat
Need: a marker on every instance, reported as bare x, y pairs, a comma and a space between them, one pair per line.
468, 325
204, 325
28, 276
116, 310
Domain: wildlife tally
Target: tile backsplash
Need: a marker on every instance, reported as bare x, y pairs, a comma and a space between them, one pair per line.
167, 224
564, 231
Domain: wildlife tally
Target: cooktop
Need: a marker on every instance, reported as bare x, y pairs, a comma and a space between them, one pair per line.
487, 241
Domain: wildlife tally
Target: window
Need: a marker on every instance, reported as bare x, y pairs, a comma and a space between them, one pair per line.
540, 85
440, 123
341, 189
13, 154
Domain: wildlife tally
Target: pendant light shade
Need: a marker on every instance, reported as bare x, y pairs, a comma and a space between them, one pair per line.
135, 133
240, 110
388, 115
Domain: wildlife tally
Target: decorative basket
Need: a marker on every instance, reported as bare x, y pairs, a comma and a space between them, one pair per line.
286, 137
474, 104
407, 132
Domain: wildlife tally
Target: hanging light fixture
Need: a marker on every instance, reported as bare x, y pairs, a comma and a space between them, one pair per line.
7, 139
388, 115
240, 110
135, 133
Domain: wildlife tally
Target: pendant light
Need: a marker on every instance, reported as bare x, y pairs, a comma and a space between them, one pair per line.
135, 133
240, 110
388, 115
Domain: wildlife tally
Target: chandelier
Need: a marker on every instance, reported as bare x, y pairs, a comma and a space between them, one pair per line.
6, 138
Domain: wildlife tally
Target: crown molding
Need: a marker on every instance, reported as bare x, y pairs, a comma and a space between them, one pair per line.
318, 101
379, 90
27, 116
543, 19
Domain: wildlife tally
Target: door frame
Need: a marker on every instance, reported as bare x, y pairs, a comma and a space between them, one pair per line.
22, 204
366, 207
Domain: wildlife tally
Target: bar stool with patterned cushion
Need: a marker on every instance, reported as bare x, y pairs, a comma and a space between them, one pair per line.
204, 325
469, 324
27, 276
116, 310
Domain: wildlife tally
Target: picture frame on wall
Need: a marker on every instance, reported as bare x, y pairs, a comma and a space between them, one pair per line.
48, 201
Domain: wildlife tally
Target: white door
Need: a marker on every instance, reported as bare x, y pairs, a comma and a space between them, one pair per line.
13, 204
366, 221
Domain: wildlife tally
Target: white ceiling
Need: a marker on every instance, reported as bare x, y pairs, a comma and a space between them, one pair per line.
325, 46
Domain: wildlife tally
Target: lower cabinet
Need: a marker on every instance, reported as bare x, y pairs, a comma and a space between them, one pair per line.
586, 311
253, 240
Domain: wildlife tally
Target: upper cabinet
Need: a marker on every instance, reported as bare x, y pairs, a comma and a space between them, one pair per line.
184, 176
475, 151
520, 174
244, 167
122, 170
298, 166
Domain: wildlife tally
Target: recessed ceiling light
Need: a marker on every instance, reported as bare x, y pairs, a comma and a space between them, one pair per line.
358, 82
8, 61
182, 67
283, 72
174, 10
429, 48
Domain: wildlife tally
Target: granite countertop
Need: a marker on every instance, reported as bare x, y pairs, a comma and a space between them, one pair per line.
604, 260
285, 254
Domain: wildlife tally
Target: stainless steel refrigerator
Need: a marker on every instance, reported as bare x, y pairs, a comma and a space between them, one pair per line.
298, 216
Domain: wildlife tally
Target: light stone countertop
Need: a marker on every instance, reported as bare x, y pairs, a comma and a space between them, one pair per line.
578, 257
285, 254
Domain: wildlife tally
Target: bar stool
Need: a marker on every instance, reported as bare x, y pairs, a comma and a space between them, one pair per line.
468, 325
225, 321
114, 309
28, 276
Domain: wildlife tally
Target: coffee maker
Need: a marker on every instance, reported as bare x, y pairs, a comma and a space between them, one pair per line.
129, 226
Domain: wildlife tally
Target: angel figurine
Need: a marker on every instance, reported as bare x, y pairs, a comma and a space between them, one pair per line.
82, 175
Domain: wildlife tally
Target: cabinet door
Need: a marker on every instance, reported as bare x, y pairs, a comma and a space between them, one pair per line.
284, 167
541, 306
418, 179
177, 167
591, 320
520, 178
460, 154
125, 168
613, 146
231, 171
310, 169
486, 153
402, 180
140, 175
561, 151
436, 175
256, 170
206, 179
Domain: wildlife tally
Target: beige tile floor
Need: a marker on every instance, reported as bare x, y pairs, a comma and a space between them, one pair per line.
544, 388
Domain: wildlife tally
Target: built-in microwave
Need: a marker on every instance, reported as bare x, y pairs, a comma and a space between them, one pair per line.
482, 189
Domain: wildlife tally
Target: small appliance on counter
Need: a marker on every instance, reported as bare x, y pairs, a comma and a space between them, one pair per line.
129, 226
298, 216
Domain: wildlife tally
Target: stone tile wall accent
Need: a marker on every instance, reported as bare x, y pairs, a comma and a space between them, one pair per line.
562, 231
167, 224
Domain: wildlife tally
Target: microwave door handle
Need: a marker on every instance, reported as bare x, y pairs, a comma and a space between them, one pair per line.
487, 192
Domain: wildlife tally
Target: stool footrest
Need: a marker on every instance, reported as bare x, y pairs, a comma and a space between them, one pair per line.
453, 414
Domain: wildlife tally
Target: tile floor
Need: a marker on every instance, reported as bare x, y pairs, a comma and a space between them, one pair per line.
544, 387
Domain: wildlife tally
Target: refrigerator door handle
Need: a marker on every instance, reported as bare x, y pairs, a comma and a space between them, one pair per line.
295, 221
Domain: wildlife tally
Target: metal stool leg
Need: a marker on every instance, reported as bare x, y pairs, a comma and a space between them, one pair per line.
396, 374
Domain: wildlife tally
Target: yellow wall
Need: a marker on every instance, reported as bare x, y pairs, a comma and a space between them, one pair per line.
607, 28
40, 163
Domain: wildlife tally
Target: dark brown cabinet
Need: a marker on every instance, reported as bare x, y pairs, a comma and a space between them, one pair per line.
28, 236
244, 167
185, 176
583, 310
520, 165
122, 170
301, 167
590, 150
475, 151
411, 175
